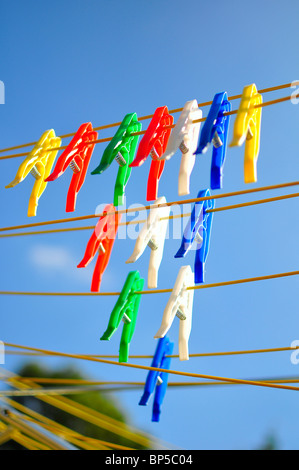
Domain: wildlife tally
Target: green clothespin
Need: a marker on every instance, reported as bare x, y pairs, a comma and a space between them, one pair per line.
126, 309
122, 148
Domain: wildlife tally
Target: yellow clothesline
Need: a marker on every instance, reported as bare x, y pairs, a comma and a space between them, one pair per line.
148, 368
141, 356
168, 204
156, 291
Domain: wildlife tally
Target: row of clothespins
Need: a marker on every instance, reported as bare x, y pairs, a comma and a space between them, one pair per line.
159, 141
180, 303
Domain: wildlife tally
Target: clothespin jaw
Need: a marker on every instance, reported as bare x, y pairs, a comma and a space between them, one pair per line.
77, 156
184, 137
247, 129
198, 229
126, 309
122, 148
39, 163
180, 304
153, 234
158, 380
101, 242
154, 143
215, 131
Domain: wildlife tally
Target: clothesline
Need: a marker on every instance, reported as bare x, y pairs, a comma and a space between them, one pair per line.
125, 386
167, 204
156, 291
168, 371
144, 356
172, 111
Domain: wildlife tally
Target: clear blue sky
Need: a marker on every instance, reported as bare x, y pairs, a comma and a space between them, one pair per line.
68, 62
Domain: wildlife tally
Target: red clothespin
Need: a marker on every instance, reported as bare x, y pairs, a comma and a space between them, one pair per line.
101, 241
77, 155
154, 143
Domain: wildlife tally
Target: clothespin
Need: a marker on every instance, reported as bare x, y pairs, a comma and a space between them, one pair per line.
39, 163
158, 380
122, 148
198, 229
184, 137
247, 128
215, 131
154, 143
180, 304
101, 242
77, 156
126, 309
153, 234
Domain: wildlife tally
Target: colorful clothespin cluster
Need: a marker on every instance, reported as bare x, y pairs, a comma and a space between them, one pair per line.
77, 156
101, 242
126, 309
158, 380
39, 163
122, 148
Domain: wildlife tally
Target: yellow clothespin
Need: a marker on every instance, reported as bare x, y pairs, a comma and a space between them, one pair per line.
39, 163
247, 127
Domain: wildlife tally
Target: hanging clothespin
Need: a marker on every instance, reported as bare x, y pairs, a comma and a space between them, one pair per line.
101, 242
153, 234
180, 304
154, 143
184, 137
158, 380
39, 163
247, 128
198, 229
215, 131
126, 309
122, 148
77, 156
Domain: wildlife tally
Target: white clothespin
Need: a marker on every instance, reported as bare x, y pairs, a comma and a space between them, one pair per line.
180, 304
184, 137
153, 234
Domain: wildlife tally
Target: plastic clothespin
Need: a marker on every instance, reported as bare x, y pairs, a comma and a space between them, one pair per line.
215, 131
154, 143
153, 234
77, 156
247, 128
198, 228
101, 242
158, 380
39, 163
122, 148
126, 309
180, 304
184, 137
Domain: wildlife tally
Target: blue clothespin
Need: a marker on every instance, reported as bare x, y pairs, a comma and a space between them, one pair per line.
198, 228
158, 379
215, 131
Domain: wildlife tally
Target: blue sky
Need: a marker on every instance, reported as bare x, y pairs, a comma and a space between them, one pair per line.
69, 62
